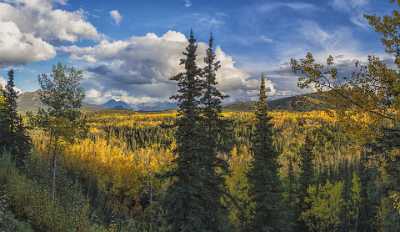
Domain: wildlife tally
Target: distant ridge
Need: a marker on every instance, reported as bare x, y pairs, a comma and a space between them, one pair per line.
30, 101
302, 103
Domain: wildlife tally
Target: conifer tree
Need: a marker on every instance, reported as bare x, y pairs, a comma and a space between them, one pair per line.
265, 186
11, 99
186, 201
214, 127
291, 199
23, 143
305, 179
17, 141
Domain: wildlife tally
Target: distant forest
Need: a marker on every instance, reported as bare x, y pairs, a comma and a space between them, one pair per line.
204, 169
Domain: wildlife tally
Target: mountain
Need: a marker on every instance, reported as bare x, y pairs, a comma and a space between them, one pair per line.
116, 104
306, 102
30, 101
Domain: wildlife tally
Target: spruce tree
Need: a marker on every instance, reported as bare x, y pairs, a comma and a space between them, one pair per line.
17, 140
265, 186
23, 143
305, 179
11, 98
186, 201
214, 127
10, 114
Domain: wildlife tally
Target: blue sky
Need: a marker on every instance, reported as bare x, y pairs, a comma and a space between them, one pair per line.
127, 47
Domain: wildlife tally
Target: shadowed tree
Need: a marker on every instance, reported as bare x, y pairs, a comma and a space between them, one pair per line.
17, 141
265, 186
215, 129
186, 203
305, 180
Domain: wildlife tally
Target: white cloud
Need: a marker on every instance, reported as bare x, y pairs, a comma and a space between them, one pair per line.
188, 3
3, 83
139, 69
293, 5
29, 28
266, 39
355, 9
19, 48
311, 37
348, 5
62, 2
39, 18
116, 16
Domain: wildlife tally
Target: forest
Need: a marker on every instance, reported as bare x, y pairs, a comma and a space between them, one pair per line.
202, 168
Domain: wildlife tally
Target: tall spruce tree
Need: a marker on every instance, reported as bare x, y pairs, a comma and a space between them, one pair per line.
17, 141
265, 186
214, 127
11, 98
305, 180
186, 202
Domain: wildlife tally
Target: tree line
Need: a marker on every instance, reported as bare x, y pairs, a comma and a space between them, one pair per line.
350, 198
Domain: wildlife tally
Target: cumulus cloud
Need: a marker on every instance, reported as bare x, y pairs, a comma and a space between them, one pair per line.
138, 70
116, 16
29, 28
309, 36
18, 47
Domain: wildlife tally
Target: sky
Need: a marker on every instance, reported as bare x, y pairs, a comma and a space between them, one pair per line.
129, 49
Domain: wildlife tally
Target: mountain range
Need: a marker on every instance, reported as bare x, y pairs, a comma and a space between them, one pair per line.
30, 101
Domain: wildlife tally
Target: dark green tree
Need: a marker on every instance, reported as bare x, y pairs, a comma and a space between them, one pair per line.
215, 128
265, 186
23, 143
186, 202
11, 99
17, 141
306, 178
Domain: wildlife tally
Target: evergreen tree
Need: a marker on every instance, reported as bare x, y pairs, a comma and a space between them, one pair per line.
186, 203
355, 203
11, 99
291, 200
17, 141
305, 179
214, 127
23, 143
368, 207
265, 186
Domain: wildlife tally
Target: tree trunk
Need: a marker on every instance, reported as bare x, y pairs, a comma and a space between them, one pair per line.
53, 186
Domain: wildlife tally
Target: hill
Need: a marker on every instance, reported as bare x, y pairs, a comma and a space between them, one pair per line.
299, 103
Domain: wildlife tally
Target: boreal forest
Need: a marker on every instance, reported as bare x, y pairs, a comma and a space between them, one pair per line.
327, 160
